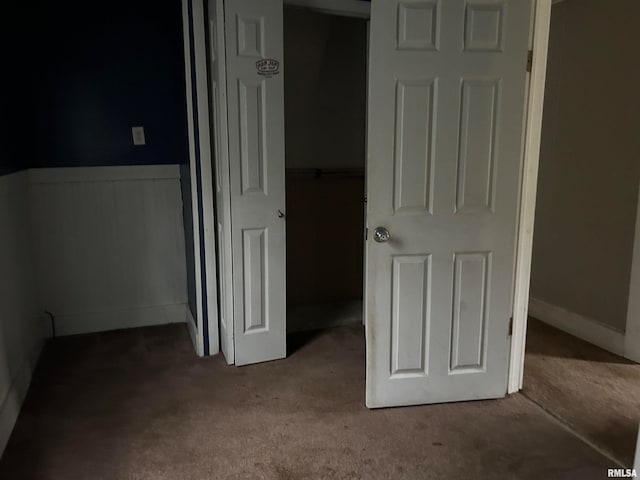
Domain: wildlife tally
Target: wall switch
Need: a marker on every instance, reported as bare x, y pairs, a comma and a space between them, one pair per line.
138, 135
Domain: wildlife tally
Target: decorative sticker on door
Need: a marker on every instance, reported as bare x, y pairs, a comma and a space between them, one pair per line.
268, 67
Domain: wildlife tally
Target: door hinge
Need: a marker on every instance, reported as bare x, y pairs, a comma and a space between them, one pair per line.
529, 60
511, 326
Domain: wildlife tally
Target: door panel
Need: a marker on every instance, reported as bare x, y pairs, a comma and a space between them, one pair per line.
252, 131
468, 339
255, 288
255, 88
414, 147
221, 162
411, 277
447, 85
476, 157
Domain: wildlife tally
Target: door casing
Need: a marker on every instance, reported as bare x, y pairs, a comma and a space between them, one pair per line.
205, 331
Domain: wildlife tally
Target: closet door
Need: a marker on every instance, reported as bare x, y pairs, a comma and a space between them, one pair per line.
447, 88
221, 162
255, 89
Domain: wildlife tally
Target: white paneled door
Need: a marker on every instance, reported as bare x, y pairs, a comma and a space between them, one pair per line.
255, 100
218, 106
447, 88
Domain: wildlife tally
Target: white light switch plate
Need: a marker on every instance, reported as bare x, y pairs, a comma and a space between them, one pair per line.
138, 135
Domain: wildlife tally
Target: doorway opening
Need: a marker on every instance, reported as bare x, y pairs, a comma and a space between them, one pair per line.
325, 149
574, 365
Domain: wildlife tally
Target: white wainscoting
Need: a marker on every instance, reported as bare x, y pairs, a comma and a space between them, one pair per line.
109, 246
580, 326
21, 331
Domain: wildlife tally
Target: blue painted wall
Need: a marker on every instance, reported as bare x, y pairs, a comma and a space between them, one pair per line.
100, 69
11, 158
77, 75
16, 48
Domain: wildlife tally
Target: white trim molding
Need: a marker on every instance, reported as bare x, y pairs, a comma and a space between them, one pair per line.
104, 174
206, 221
199, 344
205, 182
578, 325
524, 247
632, 336
345, 8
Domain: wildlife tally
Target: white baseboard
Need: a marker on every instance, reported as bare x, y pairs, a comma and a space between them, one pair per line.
578, 325
91, 322
12, 402
193, 332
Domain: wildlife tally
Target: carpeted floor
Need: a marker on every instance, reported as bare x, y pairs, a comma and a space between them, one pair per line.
593, 391
137, 404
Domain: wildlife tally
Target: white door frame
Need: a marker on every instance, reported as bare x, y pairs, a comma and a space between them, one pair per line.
529, 185
202, 193
631, 336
